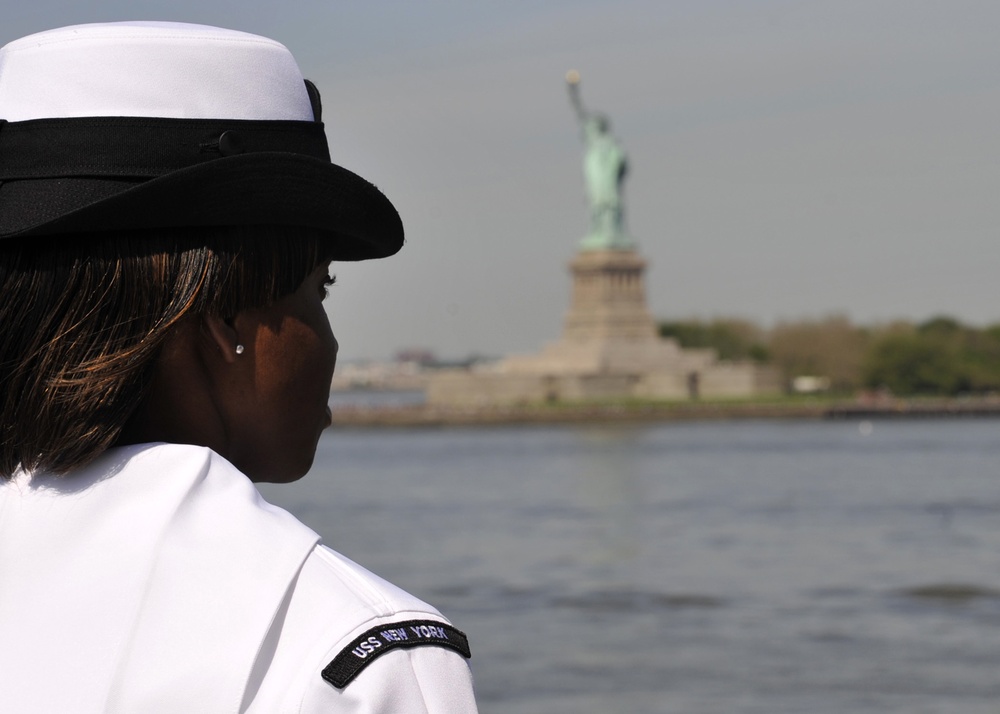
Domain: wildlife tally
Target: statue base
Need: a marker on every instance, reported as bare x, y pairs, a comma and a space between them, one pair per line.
609, 298
608, 329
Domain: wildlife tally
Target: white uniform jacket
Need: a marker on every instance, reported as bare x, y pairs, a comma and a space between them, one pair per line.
157, 580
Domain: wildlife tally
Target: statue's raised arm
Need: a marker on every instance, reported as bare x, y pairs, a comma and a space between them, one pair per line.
604, 168
573, 85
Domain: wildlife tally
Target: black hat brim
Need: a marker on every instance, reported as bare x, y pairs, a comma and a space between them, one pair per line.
263, 188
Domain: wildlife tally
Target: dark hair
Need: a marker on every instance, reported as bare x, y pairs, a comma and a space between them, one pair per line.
83, 318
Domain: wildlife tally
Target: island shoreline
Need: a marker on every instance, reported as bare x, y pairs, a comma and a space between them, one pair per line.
420, 415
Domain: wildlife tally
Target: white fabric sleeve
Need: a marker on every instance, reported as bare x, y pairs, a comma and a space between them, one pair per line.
421, 680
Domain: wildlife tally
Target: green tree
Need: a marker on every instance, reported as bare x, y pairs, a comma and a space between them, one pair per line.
915, 363
732, 339
831, 347
982, 359
938, 356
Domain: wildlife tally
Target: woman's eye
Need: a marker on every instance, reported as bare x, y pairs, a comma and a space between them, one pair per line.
327, 282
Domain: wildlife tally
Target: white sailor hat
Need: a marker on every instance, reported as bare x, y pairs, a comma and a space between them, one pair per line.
132, 125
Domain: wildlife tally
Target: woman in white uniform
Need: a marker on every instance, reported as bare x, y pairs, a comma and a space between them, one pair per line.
168, 211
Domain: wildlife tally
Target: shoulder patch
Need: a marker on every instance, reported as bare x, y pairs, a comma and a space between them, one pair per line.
371, 645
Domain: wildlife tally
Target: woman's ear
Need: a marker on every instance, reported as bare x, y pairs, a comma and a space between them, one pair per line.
222, 336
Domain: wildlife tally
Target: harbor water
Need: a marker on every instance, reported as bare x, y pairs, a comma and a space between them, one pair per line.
759, 567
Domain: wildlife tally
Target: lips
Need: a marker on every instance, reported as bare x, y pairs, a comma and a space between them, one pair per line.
329, 416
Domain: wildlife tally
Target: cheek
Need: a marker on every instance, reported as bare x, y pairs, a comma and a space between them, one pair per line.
297, 362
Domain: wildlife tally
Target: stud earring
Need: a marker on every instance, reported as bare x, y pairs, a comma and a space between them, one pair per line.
239, 349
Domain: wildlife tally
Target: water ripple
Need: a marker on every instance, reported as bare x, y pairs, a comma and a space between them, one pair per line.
635, 601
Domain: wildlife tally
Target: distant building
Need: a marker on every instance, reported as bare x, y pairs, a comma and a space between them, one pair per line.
394, 376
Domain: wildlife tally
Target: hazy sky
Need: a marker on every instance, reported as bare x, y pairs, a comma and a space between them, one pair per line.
788, 158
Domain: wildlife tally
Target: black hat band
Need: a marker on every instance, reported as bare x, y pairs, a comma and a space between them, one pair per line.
141, 147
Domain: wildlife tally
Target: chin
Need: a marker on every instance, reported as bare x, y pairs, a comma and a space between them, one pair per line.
285, 470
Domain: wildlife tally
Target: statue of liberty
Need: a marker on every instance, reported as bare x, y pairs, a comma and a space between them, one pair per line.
604, 169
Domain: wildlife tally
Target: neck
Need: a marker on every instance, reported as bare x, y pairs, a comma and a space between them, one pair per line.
179, 407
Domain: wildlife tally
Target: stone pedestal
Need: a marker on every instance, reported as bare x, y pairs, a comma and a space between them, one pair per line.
609, 298
608, 330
